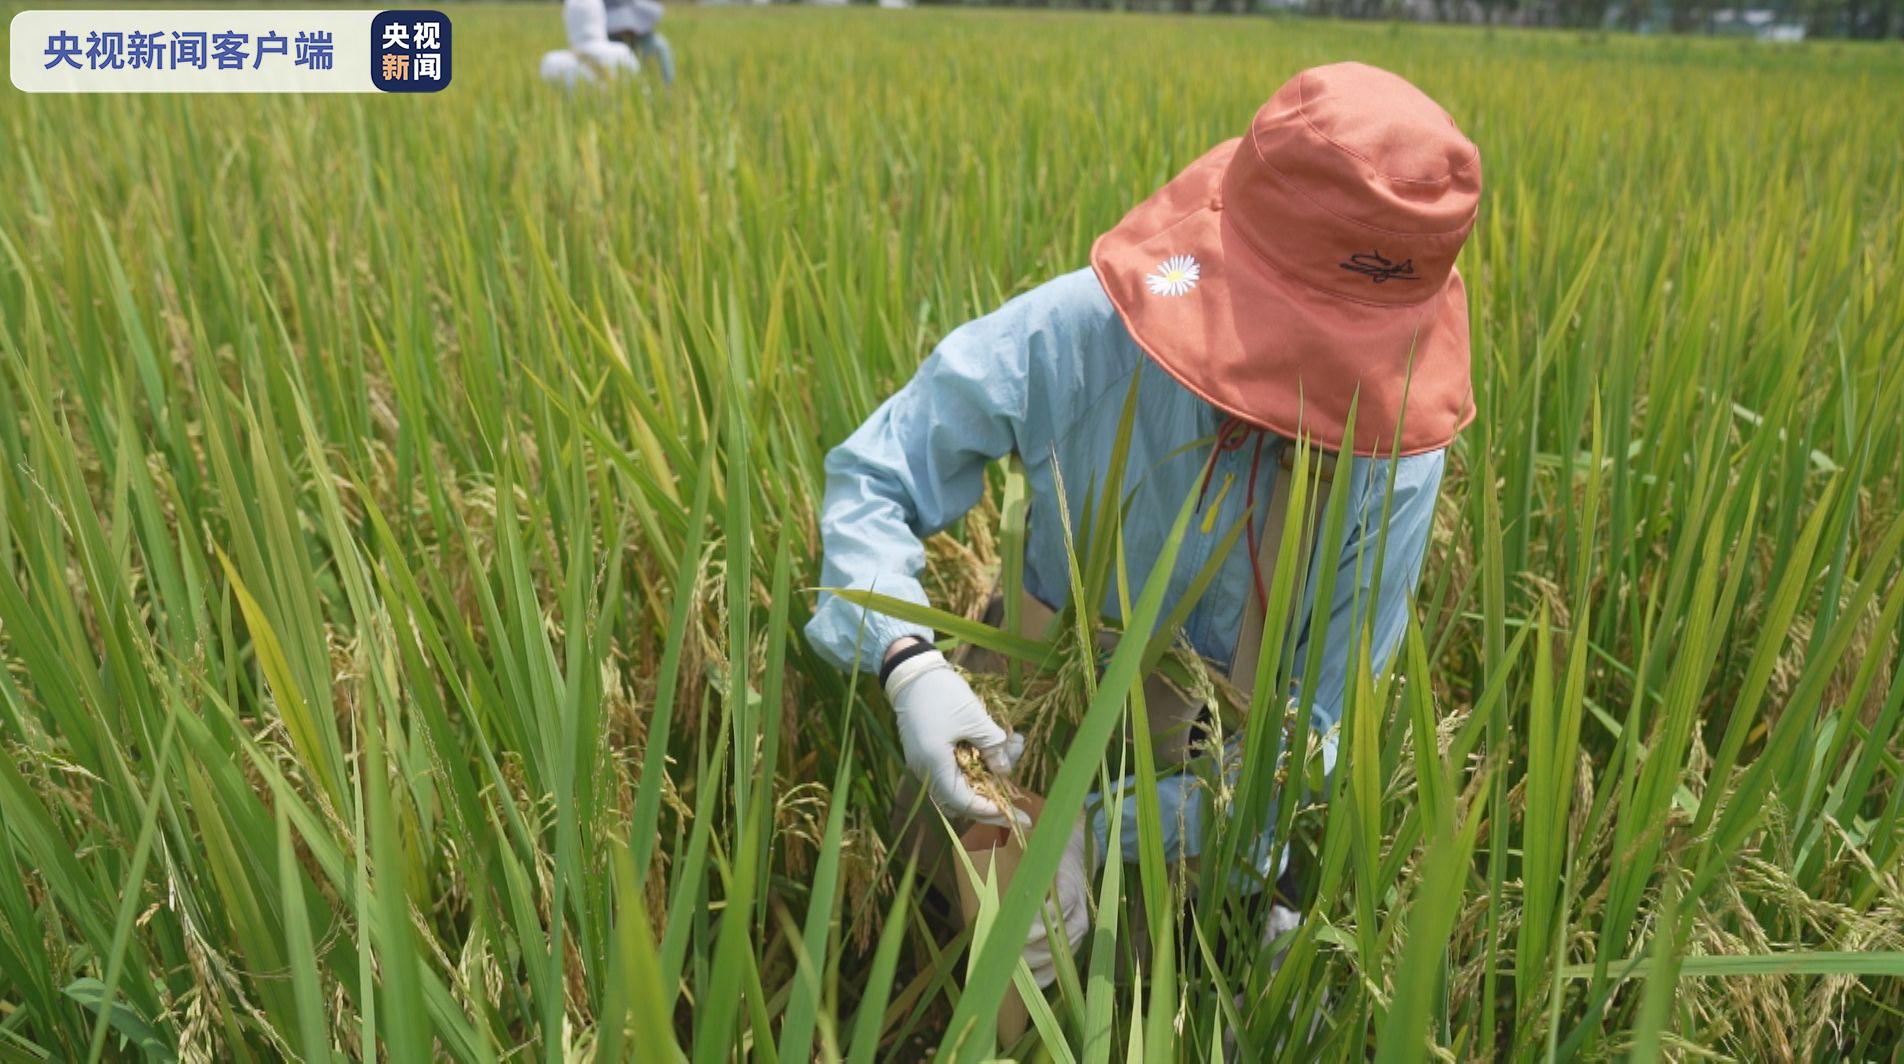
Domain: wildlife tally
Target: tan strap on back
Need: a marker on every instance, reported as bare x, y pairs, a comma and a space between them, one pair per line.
1249, 641
1035, 618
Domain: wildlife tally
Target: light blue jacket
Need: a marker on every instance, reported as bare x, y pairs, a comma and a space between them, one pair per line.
1046, 376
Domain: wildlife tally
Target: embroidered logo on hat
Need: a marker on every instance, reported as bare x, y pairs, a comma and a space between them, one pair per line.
1174, 276
1377, 268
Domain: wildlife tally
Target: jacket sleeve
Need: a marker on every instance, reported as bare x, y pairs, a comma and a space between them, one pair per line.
1003, 383
1410, 523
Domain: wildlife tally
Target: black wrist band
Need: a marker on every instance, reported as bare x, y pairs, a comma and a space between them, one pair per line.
893, 661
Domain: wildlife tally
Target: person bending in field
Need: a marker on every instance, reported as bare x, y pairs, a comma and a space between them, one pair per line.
608, 38
590, 57
1279, 279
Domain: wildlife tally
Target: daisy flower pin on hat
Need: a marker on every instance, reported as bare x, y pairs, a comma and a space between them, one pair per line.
1174, 276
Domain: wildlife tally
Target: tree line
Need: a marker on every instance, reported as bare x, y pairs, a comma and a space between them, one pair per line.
1859, 19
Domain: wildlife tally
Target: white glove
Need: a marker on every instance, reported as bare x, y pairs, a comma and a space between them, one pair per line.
1072, 913
1281, 922
937, 710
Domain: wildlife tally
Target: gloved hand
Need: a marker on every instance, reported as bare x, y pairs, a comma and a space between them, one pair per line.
1069, 909
937, 710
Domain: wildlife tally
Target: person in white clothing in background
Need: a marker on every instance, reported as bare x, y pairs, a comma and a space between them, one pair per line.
590, 57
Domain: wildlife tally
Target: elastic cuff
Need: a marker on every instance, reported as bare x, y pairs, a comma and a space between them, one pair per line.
880, 633
892, 663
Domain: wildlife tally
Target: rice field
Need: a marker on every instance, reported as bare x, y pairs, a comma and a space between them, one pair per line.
408, 520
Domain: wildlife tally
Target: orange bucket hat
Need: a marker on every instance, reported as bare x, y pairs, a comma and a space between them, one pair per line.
1286, 273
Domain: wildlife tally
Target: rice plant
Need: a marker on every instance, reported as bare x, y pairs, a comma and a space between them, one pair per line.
407, 524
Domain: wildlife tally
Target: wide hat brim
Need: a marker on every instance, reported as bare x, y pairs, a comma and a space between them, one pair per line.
1275, 351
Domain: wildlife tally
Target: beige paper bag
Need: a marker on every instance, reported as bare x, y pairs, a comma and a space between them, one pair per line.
994, 852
